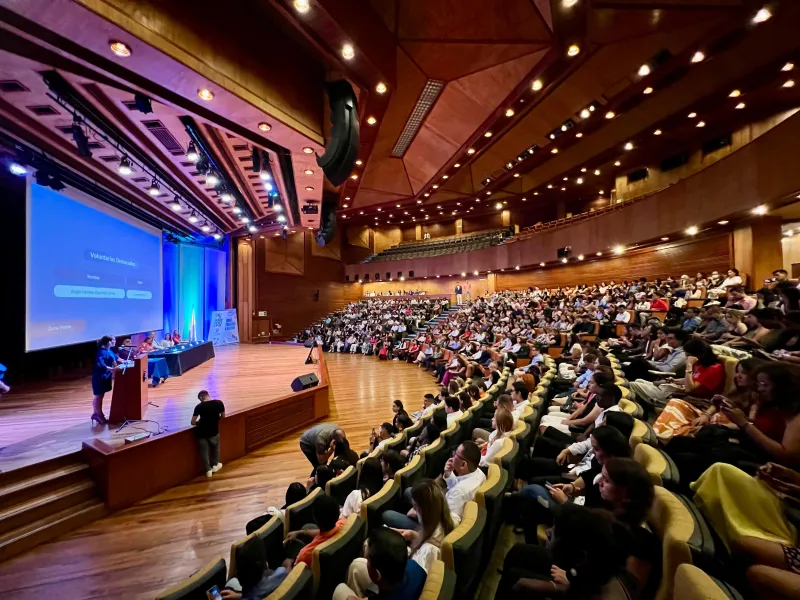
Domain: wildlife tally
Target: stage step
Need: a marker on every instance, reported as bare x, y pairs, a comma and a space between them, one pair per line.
42, 501
50, 527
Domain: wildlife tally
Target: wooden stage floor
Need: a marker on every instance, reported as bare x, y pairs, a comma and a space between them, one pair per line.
51, 419
139, 551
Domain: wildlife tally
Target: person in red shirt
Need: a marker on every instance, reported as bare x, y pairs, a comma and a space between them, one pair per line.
326, 516
658, 304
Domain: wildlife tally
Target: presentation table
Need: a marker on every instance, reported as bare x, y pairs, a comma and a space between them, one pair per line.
183, 357
157, 369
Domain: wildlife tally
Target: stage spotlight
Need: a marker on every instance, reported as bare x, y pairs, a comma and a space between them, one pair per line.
264, 175
252, 229
154, 189
124, 167
81, 141
206, 228
191, 152
278, 208
47, 179
193, 218
226, 197
17, 169
212, 179
217, 236
142, 103
281, 219
236, 210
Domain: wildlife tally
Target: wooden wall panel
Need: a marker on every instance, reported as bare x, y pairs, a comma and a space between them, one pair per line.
386, 238
332, 249
284, 256
473, 224
245, 288
680, 258
292, 301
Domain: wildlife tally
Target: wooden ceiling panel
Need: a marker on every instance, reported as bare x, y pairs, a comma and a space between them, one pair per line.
462, 107
545, 11
387, 10
369, 197
449, 61
517, 20
461, 182
610, 26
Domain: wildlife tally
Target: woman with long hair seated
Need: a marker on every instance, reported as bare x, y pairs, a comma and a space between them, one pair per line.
370, 482
685, 417
502, 424
768, 432
425, 542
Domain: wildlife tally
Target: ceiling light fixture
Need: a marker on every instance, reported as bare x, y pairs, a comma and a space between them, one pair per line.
217, 236
308, 150
205, 94
302, 6
554, 151
725, 222
17, 169
510, 112
124, 167
619, 249
789, 83
193, 218
698, 57
564, 260
735, 94
359, 162
610, 114
264, 126
617, 163
585, 114
120, 48
578, 135
488, 134
580, 256
701, 124
371, 120
154, 189
599, 254
308, 172
573, 50
455, 166
648, 90
762, 15
664, 239
236, 210
263, 175
579, 180
760, 210
380, 88
536, 85
657, 132
644, 70
693, 230
176, 206
629, 146
471, 151
597, 171
692, 115
788, 66
740, 106
541, 264
348, 52
354, 176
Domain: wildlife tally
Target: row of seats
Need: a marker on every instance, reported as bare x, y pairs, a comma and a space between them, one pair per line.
428, 248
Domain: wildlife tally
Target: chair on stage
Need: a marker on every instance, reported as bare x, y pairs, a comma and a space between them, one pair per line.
195, 587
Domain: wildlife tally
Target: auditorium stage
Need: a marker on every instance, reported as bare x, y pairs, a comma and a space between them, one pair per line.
44, 420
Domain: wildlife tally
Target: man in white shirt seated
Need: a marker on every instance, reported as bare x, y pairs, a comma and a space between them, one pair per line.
461, 477
623, 316
520, 398
453, 409
428, 406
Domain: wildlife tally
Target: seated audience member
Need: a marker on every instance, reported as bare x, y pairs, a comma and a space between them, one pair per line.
474, 393
465, 401
452, 407
683, 417
704, 377
583, 413
397, 410
773, 569
254, 579
146, 346
402, 421
429, 434
789, 296
720, 288
386, 573
714, 325
428, 406
326, 517
519, 396
502, 401
762, 331
391, 463
502, 424
585, 558
378, 437
769, 433
320, 478
425, 542
343, 457
590, 363
673, 362
739, 300
370, 482
294, 493
462, 478
691, 320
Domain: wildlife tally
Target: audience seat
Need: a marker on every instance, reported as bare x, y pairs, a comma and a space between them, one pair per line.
332, 557
194, 587
642, 433
409, 475
340, 486
416, 428
373, 507
397, 442
462, 550
508, 457
523, 433
451, 436
440, 583
631, 407
729, 362
271, 534
693, 584
684, 535
465, 427
298, 585
659, 466
299, 513
490, 497
435, 455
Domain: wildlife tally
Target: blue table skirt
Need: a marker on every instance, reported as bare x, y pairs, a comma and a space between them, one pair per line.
157, 369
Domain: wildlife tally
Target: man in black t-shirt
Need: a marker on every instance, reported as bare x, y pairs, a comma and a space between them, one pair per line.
206, 429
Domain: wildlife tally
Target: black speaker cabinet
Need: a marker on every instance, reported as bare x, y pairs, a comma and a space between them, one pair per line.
304, 382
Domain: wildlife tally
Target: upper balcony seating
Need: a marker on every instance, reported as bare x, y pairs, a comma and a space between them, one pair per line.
440, 246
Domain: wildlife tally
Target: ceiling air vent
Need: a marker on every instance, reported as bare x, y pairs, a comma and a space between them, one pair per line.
42, 111
163, 135
426, 99
10, 85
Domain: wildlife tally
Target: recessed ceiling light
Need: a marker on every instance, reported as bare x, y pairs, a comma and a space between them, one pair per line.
347, 197
354, 176
579, 180
380, 88
554, 151
549, 186
657, 132
629, 146
617, 163
510, 112
698, 57
471, 151
516, 174
735, 94
762, 15
566, 178
348, 51
308, 172
692, 115
426, 194
597, 171
722, 222
740, 105
644, 70
264, 126
535, 193
455, 166
536, 85
445, 176
205, 94
760, 210
487, 134
610, 114
789, 83
345, 205
435, 186
619, 249
573, 50
583, 170
578, 135
701, 124
308, 150
647, 90
302, 6
599, 254
585, 114
371, 120
692, 230
787, 67
120, 48
309, 188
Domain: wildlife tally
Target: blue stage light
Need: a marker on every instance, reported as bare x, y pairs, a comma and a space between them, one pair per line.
17, 169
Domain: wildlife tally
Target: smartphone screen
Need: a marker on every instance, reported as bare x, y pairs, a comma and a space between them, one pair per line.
214, 594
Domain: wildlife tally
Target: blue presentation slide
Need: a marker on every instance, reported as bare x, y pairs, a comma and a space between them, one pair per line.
90, 274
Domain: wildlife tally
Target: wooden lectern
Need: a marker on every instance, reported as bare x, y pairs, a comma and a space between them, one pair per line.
129, 399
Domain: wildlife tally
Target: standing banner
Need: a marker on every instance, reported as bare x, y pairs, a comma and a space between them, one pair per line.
224, 327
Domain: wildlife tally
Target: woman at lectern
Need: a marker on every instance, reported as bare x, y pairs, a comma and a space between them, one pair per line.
102, 375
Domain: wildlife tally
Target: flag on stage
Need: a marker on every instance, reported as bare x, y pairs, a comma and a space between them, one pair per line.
193, 328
